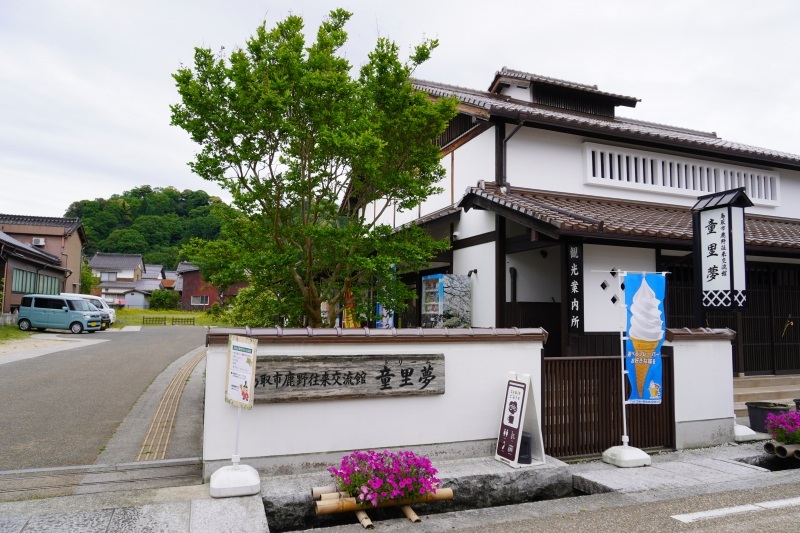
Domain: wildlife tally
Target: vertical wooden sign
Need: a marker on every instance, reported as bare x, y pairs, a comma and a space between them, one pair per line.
517, 416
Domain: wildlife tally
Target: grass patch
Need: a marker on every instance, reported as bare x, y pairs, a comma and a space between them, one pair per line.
133, 317
10, 333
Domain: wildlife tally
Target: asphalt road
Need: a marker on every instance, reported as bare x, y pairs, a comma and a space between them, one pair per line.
62, 408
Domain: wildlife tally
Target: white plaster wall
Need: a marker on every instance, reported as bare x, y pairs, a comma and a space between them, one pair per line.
475, 222
483, 283
474, 161
470, 409
599, 313
703, 373
538, 278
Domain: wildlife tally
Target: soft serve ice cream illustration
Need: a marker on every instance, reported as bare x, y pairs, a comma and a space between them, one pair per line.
645, 331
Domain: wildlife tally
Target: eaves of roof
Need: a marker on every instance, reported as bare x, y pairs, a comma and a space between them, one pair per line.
559, 215
489, 105
449, 213
506, 74
29, 252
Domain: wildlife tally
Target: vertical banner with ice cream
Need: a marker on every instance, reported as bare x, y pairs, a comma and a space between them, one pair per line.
644, 299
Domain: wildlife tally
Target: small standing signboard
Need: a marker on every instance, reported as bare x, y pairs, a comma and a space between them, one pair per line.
241, 371
512, 449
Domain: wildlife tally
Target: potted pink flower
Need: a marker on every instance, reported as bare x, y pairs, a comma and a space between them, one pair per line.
785, 429
378, 477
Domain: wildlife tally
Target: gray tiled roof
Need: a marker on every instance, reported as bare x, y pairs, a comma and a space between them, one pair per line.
490, 104
148, 285
591, 216
529, 77
171, 274
152, 271
71, 224
117, 262
30, 250
186, 267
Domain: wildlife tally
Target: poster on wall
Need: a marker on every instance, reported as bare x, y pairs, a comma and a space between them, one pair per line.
241, 371
644, 300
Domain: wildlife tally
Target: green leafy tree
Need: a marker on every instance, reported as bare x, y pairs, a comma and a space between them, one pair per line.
88, 281
164, 300
125, 241
313, 158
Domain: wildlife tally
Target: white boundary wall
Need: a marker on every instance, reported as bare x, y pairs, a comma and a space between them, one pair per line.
703, 381
476, 371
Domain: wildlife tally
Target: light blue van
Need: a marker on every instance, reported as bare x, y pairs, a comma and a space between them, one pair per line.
48, 311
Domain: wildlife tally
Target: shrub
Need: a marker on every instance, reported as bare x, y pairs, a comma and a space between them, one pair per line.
164, 300
376, 477
785, 427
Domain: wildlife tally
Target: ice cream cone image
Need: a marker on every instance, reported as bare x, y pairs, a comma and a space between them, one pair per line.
645, 332
643, 349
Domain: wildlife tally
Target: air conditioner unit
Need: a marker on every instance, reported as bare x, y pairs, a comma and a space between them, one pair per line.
38, 241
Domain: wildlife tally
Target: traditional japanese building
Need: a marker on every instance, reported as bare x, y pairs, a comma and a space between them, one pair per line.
540, 169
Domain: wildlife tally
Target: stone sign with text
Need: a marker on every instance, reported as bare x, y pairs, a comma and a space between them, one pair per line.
292, 378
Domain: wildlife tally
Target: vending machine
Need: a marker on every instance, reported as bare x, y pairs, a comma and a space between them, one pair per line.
446, 301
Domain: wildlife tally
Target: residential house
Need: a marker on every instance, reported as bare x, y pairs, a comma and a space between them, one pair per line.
137, 297
153, 272
196, 293
60, 237
549, 167
118, 274
27, 269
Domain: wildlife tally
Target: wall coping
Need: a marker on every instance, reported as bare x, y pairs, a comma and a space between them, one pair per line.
280, 335
700, 334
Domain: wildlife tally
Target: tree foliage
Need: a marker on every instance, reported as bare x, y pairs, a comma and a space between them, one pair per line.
164, 300
313, 158
88, 281
151, 221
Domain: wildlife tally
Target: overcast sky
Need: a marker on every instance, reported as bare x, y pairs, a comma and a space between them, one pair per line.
85, 85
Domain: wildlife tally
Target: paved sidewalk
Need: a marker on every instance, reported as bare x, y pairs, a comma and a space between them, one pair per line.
172, 510
672, 476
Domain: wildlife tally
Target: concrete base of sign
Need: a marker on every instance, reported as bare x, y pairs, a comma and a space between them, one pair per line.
626, 457
235, 480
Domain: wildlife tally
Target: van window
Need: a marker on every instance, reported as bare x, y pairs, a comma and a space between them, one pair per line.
57, 304
26, 301
42, 303
78, 305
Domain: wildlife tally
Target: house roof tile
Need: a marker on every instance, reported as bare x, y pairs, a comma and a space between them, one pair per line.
148, 285
186, 267
41, 255
108, 261
536, 78
71, 224
606, 218
503, 106
152, 271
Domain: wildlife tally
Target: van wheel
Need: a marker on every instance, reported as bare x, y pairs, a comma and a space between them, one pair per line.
76, 327
25, 324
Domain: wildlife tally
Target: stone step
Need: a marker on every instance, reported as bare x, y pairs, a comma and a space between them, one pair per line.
750, 382
763, 394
